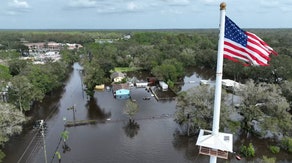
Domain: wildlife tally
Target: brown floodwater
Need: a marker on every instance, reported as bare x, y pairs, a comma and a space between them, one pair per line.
154, 139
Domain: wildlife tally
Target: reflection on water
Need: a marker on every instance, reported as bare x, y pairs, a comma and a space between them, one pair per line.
95, 112
131, 129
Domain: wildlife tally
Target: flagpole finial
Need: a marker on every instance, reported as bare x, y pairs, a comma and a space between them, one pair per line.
223, 6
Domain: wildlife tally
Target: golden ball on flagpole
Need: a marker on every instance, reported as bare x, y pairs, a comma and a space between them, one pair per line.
223, 6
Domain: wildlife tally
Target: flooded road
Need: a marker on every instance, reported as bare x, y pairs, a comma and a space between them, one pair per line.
155, 140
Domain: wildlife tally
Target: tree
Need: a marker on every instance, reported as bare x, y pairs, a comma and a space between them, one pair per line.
131, 108
11, 120
2, 155
44, 77
22, 93
69, 56
93, 75
170, 69
22, 49
287, 90
188, 56
58, 72
65, 136
4, 74
281, 64
16, 66
195, 106
264, 104
9, 54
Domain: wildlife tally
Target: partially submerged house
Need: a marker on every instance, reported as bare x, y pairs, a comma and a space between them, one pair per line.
231, 85
204, 82
121, 91
122, 94
117, 76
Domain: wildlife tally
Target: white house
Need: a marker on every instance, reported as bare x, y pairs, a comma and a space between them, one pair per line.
117, 76
231, 85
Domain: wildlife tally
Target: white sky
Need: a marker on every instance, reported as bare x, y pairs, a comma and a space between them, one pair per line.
141, 14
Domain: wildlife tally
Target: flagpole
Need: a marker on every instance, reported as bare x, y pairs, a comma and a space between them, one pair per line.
219, 73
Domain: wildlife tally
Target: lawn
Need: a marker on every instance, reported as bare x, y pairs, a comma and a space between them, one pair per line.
126, 69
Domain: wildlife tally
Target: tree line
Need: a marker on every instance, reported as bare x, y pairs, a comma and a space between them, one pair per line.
167, 55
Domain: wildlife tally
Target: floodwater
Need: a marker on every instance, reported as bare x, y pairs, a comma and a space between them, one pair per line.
154, 140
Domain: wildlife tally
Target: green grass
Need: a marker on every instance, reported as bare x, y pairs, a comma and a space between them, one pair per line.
126, 69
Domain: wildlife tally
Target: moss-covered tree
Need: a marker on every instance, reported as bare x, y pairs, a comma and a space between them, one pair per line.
131, 108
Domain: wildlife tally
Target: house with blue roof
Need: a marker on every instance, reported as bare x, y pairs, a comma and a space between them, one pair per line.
121, 91
122, 94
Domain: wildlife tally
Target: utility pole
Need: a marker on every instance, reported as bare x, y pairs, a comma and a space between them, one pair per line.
74, 110
44, 141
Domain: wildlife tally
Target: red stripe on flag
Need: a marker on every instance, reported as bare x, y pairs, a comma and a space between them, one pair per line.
259, 48
240, 52
264, 44
231, 48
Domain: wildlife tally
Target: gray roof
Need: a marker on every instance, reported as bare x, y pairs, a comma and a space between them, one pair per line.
117, 74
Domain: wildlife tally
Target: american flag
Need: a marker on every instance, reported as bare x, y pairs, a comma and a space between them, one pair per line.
245, 46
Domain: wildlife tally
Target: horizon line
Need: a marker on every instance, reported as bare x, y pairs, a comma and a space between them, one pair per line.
114, 29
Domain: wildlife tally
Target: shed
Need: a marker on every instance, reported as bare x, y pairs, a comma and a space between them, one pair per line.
163, 85
141, 84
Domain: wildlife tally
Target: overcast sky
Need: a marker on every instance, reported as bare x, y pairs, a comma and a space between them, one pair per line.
141, 14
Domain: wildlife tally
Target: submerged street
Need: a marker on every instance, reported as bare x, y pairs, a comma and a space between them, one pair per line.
154, 140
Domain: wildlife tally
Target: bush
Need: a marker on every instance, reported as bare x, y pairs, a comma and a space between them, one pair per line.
269, 160
234, 126
286, 144
170, 83
2, 155
247, 151
274, 149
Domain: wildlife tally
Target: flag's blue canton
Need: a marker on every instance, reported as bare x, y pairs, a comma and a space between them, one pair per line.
234, 33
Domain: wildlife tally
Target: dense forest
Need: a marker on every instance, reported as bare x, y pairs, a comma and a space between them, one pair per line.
164, 54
